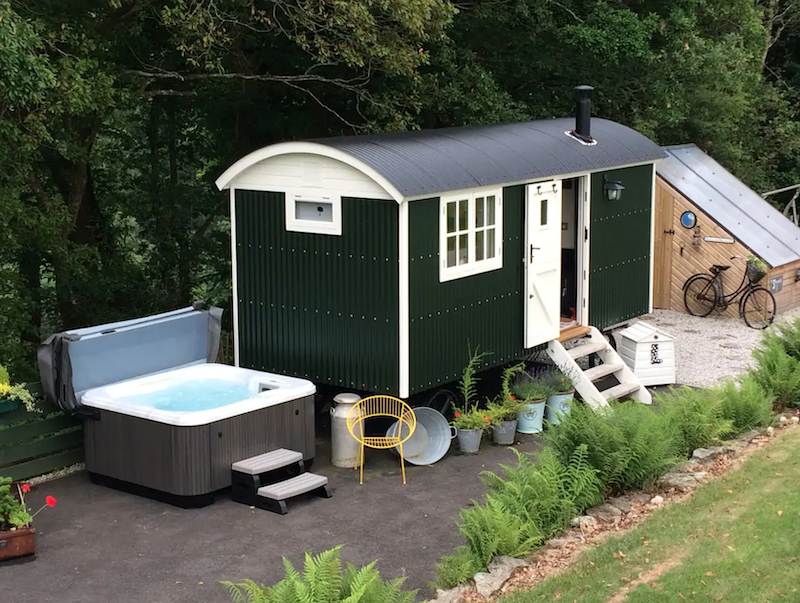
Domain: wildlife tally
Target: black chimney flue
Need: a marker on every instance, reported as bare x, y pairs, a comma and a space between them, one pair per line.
583, 113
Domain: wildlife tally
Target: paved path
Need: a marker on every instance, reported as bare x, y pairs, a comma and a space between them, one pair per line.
99, 545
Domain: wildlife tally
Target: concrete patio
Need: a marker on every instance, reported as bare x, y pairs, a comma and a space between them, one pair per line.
99, 544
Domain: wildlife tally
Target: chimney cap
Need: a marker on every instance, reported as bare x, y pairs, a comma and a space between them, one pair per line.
584, 88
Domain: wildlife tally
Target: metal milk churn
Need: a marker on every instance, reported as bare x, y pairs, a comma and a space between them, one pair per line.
345, 448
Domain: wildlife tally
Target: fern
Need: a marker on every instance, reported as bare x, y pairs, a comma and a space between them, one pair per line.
468, 385
696, 416
323, 581
456, 568
745, 405
777, 372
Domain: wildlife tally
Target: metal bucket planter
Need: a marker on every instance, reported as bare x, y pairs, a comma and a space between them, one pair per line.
558, 406
430, 440
504, 433
530, 419
469, 440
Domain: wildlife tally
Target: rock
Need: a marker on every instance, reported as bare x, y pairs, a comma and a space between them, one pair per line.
584, 520
795, 420
681, 481
702, 454
639, 497
730, 449
622, 504
699, 475
782, 419
657, 500
561, 542
770, 430
505, 565
486, 583
452, 595
606, 513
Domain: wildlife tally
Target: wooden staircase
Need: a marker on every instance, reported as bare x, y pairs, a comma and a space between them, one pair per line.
589, 340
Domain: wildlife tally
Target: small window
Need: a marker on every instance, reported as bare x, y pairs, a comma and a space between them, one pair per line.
470, 234
313, 214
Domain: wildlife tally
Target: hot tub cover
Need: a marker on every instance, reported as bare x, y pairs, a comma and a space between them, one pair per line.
72, 362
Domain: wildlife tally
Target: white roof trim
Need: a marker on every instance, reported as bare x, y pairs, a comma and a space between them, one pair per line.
311, 148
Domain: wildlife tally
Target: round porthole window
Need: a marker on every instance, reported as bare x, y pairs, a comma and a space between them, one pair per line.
688, 219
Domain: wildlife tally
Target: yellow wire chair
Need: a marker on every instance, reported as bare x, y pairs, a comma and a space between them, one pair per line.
387, 407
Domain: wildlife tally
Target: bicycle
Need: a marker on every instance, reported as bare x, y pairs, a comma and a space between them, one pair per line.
703, 292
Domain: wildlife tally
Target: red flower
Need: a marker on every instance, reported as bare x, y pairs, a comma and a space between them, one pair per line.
26, 488
458, 414
50, 501
513, 397
486, 417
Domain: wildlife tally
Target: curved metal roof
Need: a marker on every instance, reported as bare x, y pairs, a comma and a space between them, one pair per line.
435, 161
732, 204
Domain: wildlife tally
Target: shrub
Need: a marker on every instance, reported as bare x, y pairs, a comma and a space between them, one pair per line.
777, 372
787, 334
629, 444
324, 582
695, 417
4, 378
747, 405
529, 503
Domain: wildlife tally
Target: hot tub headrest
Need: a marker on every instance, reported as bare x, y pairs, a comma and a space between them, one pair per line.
75, 361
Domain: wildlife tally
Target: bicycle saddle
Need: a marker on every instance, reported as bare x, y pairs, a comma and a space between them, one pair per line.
718, 268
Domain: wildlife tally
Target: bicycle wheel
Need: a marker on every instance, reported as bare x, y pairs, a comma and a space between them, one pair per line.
758, 308
700, 295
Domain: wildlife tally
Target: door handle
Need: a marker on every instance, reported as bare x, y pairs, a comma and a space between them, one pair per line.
532, 250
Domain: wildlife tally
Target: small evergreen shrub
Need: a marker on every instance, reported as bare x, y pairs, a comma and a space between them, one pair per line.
746, 405
777, 372
628, 444
323, 581
695, 417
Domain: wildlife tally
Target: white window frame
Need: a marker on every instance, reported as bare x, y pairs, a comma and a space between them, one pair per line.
294, 224
472, 265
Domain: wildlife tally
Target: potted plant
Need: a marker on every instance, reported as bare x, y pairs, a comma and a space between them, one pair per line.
562, 392
532, 392
12, 396
503, 410
756, 269
17, 534
469, 420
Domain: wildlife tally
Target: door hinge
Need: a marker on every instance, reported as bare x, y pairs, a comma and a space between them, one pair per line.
584, 302
585, 234
670, 231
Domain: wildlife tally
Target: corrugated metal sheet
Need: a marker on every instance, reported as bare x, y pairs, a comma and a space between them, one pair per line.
447, 319
736, 208
435, 161
619, 248
316, 306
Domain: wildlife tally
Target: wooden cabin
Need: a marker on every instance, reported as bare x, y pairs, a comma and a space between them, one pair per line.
705, 216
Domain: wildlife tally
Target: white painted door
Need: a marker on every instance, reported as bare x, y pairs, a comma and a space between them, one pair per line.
542, 262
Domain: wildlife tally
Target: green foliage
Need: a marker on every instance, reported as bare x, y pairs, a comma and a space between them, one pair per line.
777, 372
745, 404
4, 377
13, 511
757, 263
468, 384
531, 387
787, 334
323, 581
508, 374
696, 418
629, 444
471, 417
530, 502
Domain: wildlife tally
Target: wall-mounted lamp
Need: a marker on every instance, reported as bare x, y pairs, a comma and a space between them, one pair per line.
613, 190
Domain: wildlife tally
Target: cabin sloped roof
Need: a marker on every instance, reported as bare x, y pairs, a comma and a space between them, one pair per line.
732, 204
428, 162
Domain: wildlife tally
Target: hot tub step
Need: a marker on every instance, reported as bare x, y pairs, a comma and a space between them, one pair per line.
274, 496
264, 463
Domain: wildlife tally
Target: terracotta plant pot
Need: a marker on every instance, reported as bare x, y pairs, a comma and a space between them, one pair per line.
17, 543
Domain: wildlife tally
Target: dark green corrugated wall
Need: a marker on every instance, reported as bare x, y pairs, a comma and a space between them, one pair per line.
447, 318
619, 249
319, 306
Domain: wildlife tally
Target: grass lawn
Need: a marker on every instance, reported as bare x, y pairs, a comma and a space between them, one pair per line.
737, 539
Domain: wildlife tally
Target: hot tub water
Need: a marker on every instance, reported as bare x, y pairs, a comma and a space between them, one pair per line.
191, 396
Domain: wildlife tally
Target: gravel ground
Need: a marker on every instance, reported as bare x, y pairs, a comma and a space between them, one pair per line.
709, 349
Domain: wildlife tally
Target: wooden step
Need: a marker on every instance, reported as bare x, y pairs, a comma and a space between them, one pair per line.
295, 486
620, 391
270, 461
573, 333
602, 370
579, 351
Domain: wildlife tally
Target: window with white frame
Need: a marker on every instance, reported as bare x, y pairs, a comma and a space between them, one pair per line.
318, 213
471, 236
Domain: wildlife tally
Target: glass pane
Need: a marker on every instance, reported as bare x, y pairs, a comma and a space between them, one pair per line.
490, 210
451, 217
479, 204
463, 208
451, 251
544, 212
490, 243
479, 246
314, 211
463, 252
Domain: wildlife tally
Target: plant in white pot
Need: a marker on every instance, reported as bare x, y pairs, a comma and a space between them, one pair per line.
562, 393
470, 421
503, 410
531, 390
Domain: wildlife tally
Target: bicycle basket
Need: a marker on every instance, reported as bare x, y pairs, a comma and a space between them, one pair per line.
754, 274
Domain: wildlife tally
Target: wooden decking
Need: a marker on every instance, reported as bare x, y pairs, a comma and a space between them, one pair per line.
573, 333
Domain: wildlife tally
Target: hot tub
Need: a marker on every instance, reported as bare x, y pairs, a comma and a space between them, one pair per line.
170, 428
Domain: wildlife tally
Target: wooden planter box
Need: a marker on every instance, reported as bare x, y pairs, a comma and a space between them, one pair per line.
17, 543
